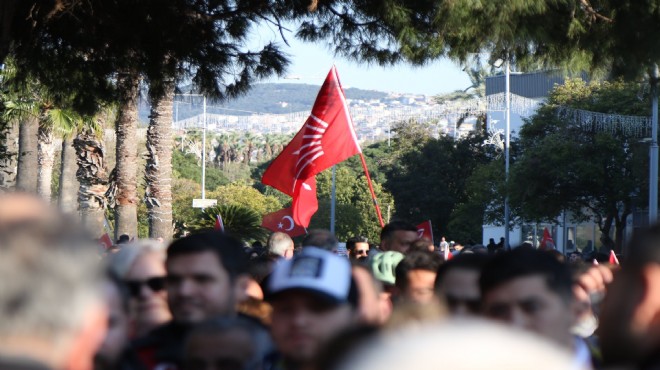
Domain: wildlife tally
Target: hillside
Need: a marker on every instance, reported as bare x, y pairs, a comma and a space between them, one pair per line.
264, 98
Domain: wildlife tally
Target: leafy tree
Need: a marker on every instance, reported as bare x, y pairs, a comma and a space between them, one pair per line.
186, 166
245, 196
593, 174
428, 176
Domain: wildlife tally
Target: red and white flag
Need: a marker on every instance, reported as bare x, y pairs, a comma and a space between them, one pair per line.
327, 138
282, 220
447, 254
105, 241
613, 259
547, 242
219, 225
424, 230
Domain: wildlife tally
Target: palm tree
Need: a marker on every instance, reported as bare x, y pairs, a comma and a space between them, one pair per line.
69, 185
158, 171
52, 121
126, 156
8, 155
242, 222
93, 178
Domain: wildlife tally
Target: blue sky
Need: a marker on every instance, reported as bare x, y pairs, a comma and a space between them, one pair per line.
310, 64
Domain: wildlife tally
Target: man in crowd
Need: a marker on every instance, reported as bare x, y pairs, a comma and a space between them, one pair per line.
313, 298
415, 276
457, 282
52, 314
280, 245
357, 247
323, 239
630, 313
532, 290
398, 236
206, 277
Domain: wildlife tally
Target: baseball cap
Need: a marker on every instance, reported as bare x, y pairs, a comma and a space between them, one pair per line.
314, 270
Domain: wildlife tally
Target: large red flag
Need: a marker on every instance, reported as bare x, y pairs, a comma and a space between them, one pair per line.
282, 220
424, 230
327, 138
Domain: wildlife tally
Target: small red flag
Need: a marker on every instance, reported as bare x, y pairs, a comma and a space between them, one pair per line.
282, 220
219, 225
547, 242
326, 138
613, 259
424, 230
447, 254
105, 241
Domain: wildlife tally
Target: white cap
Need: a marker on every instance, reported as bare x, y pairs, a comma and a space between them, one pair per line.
315, 270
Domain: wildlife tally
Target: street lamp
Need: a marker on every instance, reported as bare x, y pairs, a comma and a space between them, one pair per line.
507, 136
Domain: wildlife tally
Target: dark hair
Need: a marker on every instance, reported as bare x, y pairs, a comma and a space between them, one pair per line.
644, 248
350, 243
228, 249
321, 238
467, 261
393, 226
417, 260
524, 262
421, 245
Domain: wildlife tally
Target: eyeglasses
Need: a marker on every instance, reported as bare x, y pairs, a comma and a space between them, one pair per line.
156, 284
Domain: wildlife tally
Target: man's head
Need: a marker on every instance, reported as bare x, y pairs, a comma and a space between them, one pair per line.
630, 313
415, 276
457, 281
206, 276
226, 343
530, 289
321, 238
398, 236
51, 306
313, 298
280, 244
357, 247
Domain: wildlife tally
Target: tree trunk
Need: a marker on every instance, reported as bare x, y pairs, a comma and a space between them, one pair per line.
67, 199
158, 171
46, 160
9, 161
126, 157
605, 229
28, 165
93, 179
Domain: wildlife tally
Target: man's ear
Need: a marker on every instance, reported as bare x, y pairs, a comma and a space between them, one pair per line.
646, 316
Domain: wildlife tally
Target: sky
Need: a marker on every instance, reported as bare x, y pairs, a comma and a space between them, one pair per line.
310, 64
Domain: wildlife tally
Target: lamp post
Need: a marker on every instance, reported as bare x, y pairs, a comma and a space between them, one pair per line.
507, 137
653, 150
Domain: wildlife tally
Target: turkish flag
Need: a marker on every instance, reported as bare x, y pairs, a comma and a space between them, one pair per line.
219, 225
326, 138
282, 220
613, 259
424, 230
447, 254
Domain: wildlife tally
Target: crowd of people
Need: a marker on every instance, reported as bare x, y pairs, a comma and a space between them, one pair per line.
207, 301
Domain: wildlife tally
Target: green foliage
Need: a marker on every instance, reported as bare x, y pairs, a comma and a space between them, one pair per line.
594, 174
186, 166
241, 222
355, 212
245, 196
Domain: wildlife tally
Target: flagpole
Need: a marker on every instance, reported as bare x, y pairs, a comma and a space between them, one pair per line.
333, 197
371, 189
